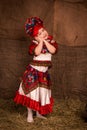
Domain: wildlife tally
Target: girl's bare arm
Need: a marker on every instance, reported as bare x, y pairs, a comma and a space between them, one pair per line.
50, 47
38, 49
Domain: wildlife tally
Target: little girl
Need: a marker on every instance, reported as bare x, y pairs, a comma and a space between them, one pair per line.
35, 88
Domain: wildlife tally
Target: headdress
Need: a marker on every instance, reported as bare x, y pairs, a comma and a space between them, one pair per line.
32, 26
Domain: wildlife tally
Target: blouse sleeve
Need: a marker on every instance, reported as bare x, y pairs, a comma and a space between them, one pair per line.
32, 48
55, 44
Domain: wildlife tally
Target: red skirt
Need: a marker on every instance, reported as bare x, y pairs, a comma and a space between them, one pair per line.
35, 92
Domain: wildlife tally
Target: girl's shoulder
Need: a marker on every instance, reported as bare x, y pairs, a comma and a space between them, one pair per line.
50, 39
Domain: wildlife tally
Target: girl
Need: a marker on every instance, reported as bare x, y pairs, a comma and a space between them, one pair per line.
35, 88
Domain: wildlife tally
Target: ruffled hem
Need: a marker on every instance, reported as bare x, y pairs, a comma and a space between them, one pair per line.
26, 101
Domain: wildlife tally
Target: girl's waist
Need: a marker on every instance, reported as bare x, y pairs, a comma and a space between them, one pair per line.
40, 68
44, 63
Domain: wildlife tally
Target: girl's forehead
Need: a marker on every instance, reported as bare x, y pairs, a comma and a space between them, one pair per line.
41, 29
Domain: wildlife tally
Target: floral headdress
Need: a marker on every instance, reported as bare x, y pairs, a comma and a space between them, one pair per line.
32, 26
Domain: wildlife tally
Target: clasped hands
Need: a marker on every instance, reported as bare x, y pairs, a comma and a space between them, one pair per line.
41, 40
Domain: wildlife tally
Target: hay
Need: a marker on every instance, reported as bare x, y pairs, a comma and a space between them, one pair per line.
66, 116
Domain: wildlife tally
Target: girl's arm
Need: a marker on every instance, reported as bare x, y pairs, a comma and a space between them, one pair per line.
50, 47
39, 47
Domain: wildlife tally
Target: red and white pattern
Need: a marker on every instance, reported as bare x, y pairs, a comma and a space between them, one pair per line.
39, 98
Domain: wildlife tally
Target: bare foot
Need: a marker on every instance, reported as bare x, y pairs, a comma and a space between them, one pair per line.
30, 116
40, 116
30, 120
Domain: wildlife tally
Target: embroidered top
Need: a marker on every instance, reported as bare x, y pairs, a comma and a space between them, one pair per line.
44, 59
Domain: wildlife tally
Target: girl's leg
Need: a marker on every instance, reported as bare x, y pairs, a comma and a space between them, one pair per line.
40, 116
30, 115
44, 96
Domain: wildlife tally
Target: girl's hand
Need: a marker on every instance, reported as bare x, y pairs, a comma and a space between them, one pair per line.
39, 39
50, 47
44, 41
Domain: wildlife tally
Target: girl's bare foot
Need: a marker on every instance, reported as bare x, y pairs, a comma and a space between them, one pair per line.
30, 116
40, 116
30, 120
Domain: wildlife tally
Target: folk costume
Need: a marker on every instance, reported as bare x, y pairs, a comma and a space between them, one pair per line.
35, 88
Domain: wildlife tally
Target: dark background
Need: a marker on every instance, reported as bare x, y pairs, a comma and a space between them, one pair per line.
66, 20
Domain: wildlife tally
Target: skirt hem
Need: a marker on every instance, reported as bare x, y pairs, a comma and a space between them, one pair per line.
35, 105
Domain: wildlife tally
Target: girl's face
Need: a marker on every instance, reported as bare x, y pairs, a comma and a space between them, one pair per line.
42, 33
